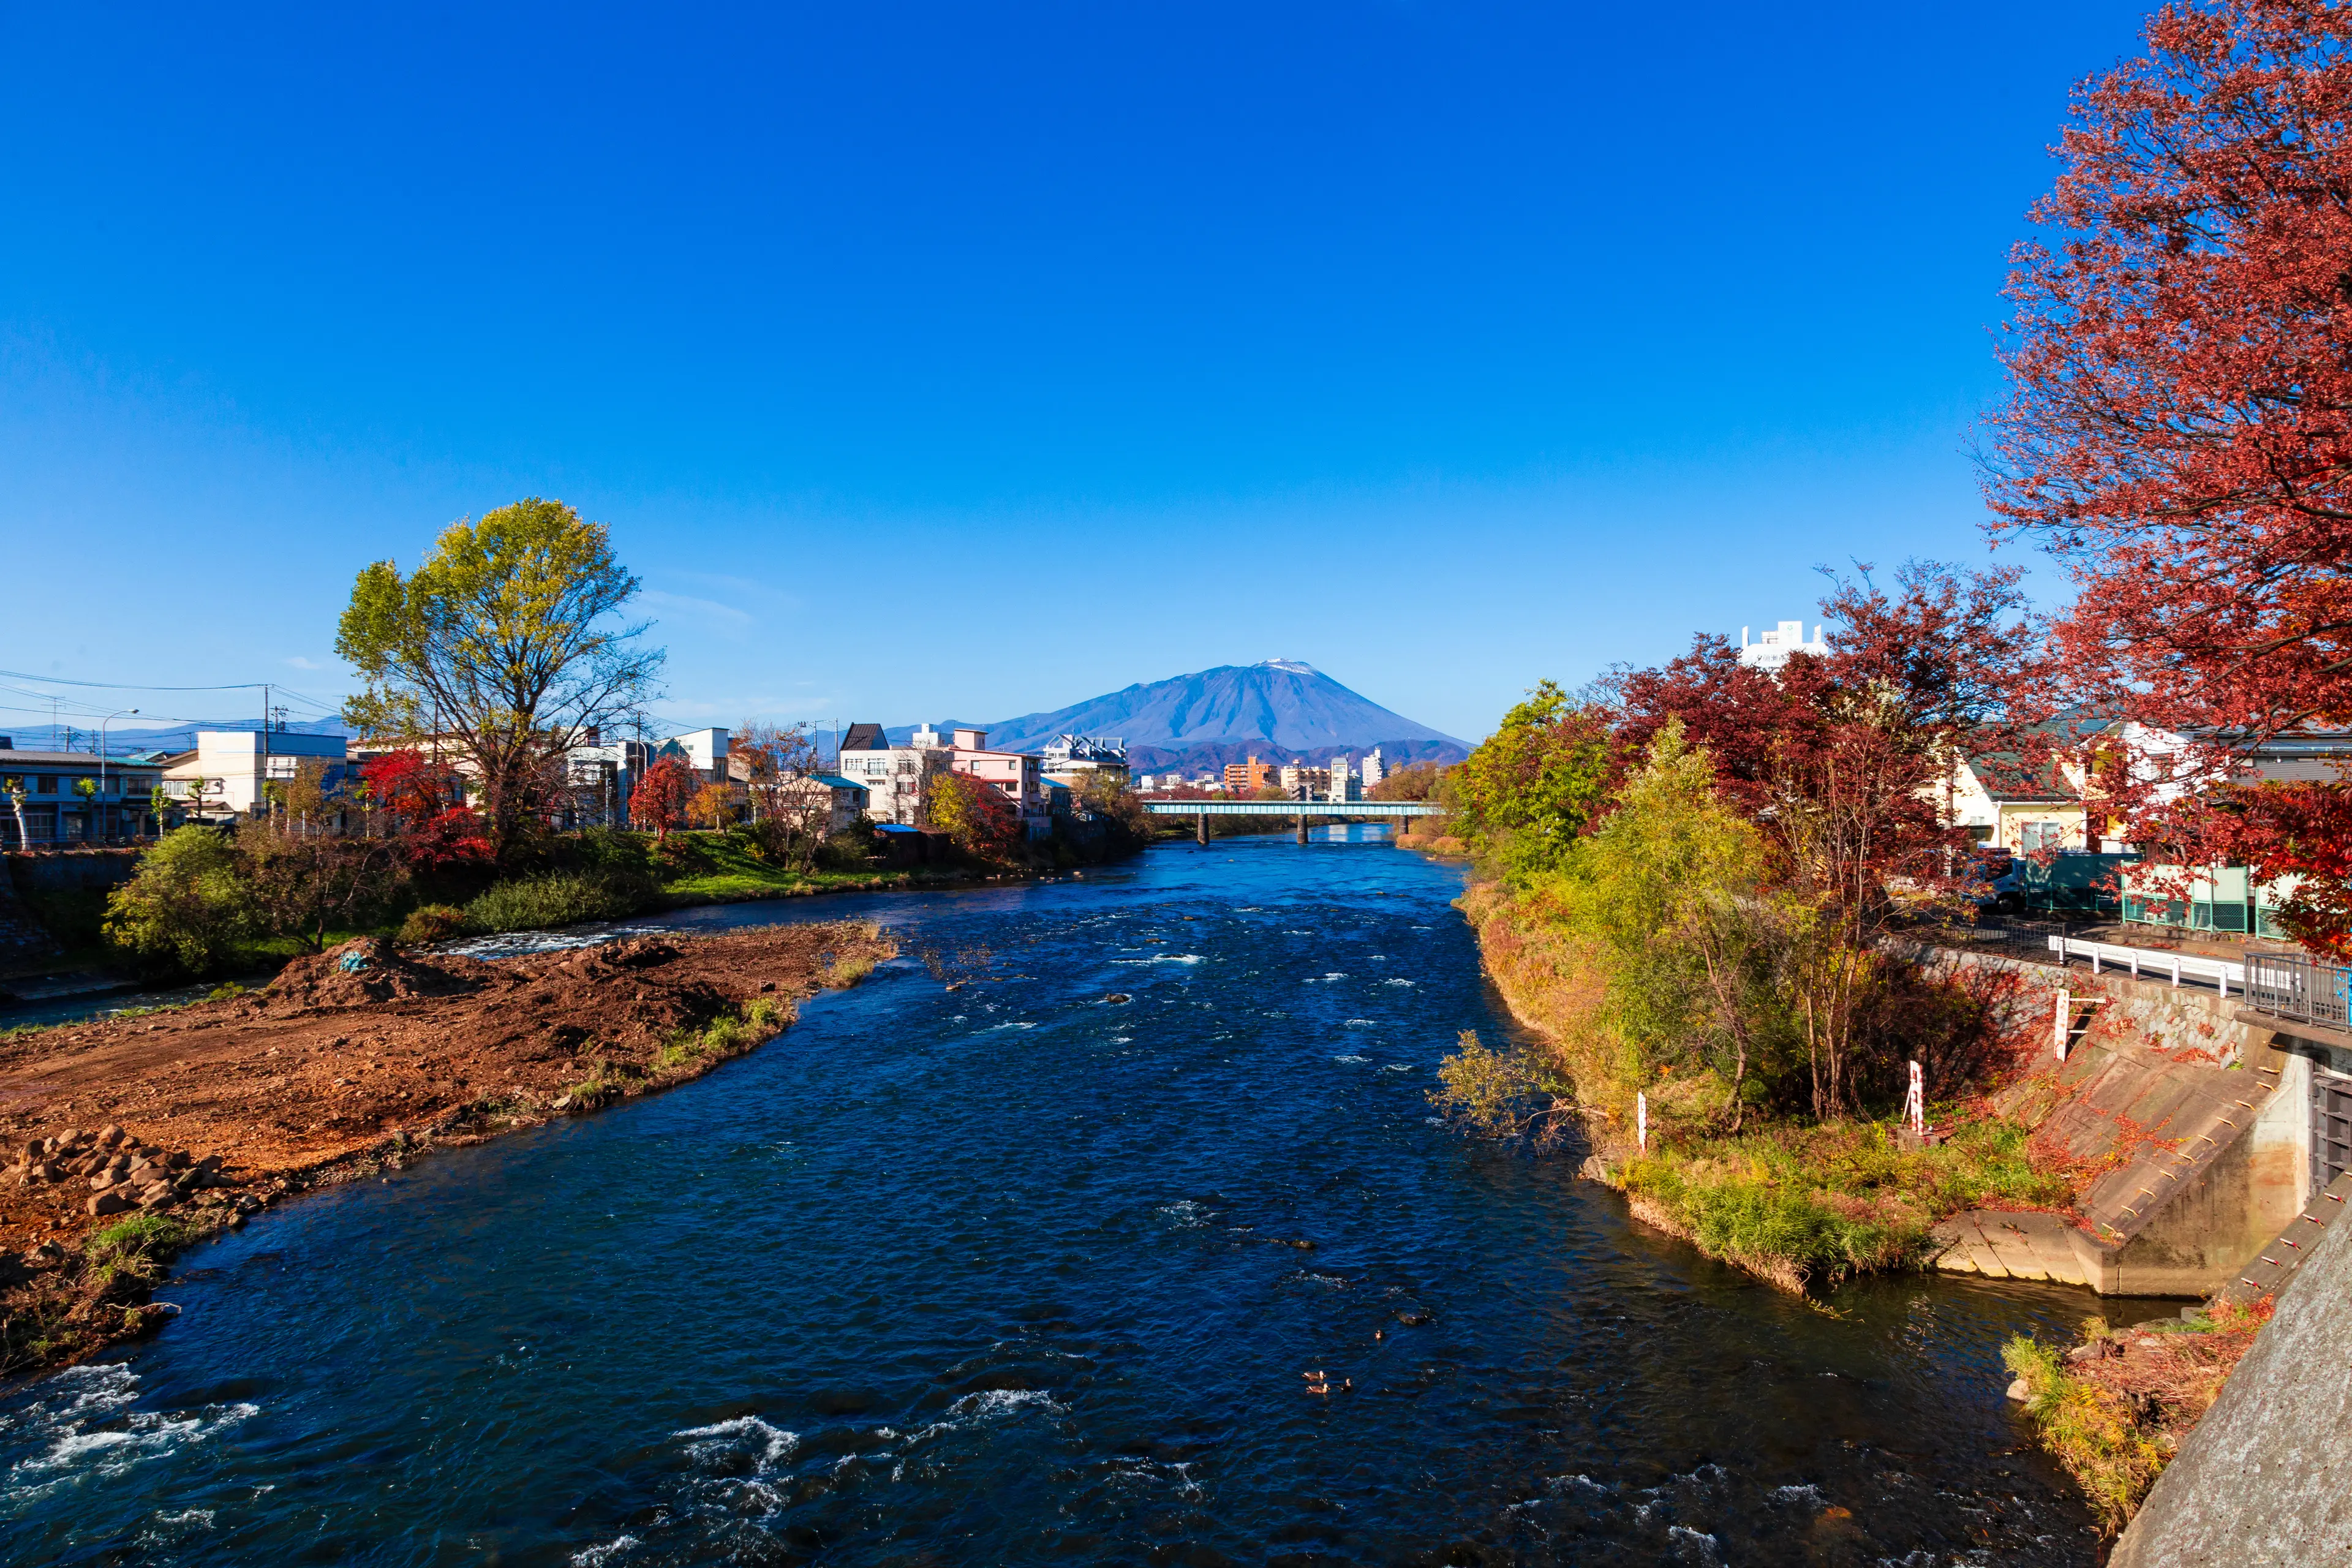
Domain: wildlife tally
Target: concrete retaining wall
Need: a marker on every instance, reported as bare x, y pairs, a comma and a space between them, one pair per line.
71, 870
2190, 1126
2261, 1480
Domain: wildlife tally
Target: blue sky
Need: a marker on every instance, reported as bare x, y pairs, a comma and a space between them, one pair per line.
935, 361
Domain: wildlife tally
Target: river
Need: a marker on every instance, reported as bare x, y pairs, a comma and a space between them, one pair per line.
1017, 1273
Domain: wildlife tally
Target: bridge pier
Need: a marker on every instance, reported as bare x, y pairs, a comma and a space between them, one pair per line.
1302, 828
1201, 828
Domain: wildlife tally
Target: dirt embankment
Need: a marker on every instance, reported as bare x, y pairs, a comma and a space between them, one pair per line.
183, 1121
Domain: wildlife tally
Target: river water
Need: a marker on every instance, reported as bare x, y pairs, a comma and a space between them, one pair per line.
1018, 1273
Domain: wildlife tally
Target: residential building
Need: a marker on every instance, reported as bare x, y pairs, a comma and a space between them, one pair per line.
1376, 768
896, 779
1247, 778
226, 776
844, 799
77, 797
1302, 782
1075, 760
1771, 652
1019, 774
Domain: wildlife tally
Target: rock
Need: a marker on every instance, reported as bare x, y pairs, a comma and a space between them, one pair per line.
1414, 1319
101, 1181
2019, 1392
109, 1136
108, 1202
47, 1255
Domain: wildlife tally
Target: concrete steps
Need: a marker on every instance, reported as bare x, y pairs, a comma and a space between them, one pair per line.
2001, 1245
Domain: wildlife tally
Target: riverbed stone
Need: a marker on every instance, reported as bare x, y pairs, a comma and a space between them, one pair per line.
108, 1202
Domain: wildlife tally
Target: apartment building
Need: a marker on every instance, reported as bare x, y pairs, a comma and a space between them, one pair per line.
74, 798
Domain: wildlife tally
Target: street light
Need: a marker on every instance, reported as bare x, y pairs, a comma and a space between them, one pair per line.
102, 723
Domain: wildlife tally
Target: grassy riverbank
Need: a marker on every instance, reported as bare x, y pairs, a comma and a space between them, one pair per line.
1629, 968
2114, 1408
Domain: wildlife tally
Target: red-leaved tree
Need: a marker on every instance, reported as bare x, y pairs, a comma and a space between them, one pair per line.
2178, 429
661, 797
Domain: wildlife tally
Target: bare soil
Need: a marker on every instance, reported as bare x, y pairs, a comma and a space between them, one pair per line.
356, 1059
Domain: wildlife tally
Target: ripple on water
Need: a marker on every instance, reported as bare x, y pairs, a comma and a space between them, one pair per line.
81, 1426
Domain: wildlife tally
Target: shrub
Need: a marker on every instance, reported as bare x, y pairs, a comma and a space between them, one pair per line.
539, 903
137, 1246
188, 905
2089, 1429
430, 923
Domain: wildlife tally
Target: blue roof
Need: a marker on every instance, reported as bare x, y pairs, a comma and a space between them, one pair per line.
895, 827
836, 781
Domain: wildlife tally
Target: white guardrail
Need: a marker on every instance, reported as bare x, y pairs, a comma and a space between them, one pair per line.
2144, 962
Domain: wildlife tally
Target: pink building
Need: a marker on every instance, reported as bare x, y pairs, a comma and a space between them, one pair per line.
1019, 774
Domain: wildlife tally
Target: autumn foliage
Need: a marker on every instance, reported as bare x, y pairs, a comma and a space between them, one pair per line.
662, 796
2179, 426
976, 815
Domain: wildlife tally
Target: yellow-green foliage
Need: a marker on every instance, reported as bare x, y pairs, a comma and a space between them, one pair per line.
1643, 954
186, 907
1528, 790
1815, 1203
2090, 1431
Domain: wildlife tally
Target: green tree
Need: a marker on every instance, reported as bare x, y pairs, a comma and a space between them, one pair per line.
186, 907
507, 641
1527, 792
13, 787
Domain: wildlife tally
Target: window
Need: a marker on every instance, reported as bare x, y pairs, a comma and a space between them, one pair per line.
46, 784
2032, 835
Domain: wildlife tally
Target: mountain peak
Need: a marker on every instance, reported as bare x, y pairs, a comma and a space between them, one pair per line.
1236, 709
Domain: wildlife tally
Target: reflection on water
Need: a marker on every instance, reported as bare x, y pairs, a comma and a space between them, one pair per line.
1022, 1273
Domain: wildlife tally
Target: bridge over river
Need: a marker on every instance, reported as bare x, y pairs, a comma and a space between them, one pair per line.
1350, 810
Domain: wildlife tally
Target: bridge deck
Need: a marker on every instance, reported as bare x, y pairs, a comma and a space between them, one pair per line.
1292, 809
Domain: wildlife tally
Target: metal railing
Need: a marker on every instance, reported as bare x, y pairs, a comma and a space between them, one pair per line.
2025, 940
2299, 988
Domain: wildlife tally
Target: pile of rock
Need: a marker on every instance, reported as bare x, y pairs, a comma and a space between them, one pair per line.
121, 1172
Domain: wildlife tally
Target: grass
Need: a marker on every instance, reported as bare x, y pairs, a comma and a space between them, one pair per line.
137, 1248
555, 899
1804, 1205
686, 1054
2091, 1431
2114, 1419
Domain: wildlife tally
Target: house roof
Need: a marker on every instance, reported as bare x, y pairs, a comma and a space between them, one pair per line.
834, 780
70, 760
865, 738
2008, 774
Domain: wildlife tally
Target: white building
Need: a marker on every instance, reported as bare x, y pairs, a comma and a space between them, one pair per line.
1375, 768
228, 768
1771, 652
1073, 760
896, 779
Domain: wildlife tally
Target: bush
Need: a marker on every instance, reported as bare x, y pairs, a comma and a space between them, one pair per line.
137, 1246
2089, 1429
847, 851
430, 923
188, 905
556, 898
